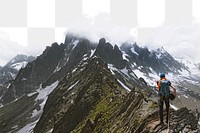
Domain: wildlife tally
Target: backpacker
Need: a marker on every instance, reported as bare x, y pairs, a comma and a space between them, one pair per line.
164, 88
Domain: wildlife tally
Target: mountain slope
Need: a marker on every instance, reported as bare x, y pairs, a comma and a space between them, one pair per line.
78, 95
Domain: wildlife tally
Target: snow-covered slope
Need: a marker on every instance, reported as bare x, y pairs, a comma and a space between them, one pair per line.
36, 113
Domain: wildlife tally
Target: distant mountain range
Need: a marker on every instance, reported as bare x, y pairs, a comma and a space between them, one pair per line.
11, 69
81, 86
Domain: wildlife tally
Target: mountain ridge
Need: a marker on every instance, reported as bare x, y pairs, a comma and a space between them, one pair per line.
81, 86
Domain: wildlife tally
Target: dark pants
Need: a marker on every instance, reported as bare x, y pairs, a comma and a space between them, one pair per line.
161, 102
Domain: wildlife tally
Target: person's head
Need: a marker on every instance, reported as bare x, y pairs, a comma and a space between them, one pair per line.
162, 75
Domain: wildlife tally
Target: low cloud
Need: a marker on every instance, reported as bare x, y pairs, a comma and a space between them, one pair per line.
100, 26
180, 41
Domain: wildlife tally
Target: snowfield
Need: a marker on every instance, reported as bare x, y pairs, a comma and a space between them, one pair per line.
43, 94
20, 65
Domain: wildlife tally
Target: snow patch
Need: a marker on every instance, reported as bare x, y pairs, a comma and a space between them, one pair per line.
18, 66
50, 131
57, 69
13, 61
85, 57
174, 107
123, 85
28, 128
92, 53
185, 96
24, 79
14, 127
36, 112
42, 96
73, 85
124, 56
158, 55
133, 51
74, 70
139, 73
111, 67
44, 92
125, 71
8, 85
112, 72
160, 52
31, 94
75, 43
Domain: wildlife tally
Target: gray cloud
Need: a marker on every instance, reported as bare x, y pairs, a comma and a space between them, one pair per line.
181, 41
8, 50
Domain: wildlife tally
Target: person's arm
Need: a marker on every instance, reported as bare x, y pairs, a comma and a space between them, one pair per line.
158, 84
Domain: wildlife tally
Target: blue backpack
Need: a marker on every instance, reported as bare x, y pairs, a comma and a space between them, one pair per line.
164, 88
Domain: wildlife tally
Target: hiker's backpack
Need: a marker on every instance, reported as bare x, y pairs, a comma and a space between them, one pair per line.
164, 88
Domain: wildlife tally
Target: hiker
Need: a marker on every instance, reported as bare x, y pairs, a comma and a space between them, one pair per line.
164, 94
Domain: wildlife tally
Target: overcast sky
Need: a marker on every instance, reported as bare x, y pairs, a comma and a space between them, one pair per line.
96, 21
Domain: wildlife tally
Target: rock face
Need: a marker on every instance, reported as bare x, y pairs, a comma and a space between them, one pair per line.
109, 54
35, 73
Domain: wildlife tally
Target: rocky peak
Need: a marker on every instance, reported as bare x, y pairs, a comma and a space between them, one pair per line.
111, 55
20, 58
34, 74
159, 60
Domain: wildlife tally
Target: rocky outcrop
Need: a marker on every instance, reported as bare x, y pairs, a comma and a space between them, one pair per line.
109, 54
182, 120
74, 52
